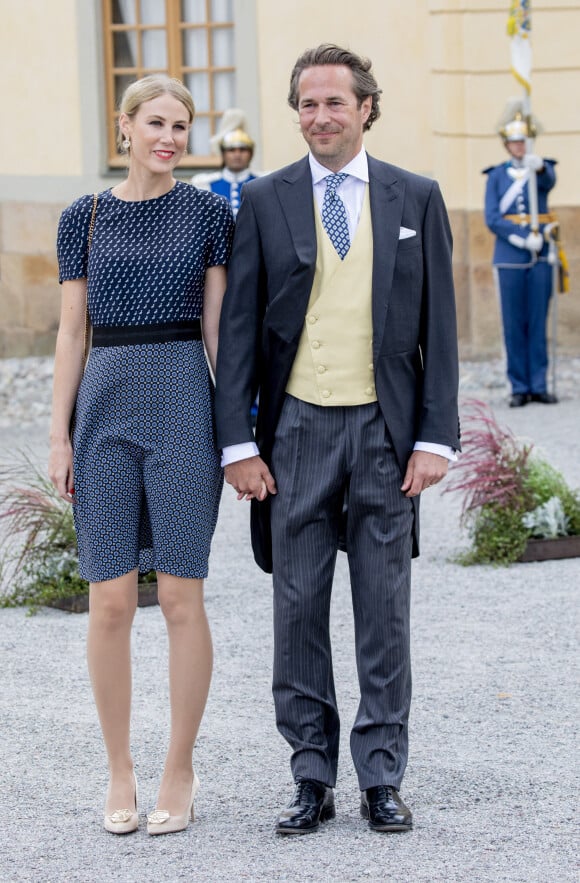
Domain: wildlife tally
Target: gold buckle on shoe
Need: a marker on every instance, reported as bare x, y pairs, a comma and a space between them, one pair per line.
158, 817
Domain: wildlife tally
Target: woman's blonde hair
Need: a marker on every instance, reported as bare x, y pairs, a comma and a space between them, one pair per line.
151, 87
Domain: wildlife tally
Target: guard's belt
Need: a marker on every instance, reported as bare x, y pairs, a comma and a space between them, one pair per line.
524, 220
564, 267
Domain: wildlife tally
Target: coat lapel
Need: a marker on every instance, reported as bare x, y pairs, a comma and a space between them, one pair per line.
386, 197
294, 191
288, 308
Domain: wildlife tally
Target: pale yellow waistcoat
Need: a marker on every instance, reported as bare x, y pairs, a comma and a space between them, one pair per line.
334, 364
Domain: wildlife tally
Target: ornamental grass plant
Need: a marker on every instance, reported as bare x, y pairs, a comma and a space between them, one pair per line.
510, 494
38, 545
38, 548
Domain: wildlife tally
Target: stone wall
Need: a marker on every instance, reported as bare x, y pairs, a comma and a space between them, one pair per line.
29, 289
30, 293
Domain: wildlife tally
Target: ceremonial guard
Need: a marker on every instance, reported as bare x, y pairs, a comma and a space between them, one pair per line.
515, 189
236, 148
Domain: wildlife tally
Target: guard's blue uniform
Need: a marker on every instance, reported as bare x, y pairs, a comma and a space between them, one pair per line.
525, 281
225, 183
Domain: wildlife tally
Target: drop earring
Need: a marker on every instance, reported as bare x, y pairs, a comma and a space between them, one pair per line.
126, 144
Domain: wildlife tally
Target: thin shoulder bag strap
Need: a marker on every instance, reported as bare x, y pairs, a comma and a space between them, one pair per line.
87, 345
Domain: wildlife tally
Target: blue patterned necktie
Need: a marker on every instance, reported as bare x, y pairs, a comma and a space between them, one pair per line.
334, 215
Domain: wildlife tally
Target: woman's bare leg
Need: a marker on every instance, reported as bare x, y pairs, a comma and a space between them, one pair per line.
112, 606
190, 668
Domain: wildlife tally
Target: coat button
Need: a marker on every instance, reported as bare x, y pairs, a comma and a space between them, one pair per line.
315, 344
321, 369
325, 393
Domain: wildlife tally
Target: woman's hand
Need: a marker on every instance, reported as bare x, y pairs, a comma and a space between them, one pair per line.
60, 468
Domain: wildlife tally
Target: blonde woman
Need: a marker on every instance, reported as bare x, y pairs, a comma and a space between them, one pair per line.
142, 470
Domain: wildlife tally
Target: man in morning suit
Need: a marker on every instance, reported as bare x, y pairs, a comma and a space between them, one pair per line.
340, 309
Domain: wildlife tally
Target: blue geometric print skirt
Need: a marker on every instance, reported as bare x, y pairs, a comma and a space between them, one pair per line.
147, 474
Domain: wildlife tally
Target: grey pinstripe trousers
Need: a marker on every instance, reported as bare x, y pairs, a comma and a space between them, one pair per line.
321, 454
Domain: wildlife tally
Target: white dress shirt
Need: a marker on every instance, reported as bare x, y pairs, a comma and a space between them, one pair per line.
351, 191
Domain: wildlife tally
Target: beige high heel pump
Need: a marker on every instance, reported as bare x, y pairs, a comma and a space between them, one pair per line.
161, 822
123, 821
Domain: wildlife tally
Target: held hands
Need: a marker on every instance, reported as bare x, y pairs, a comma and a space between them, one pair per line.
533, 162
251, 478
533, 241
423, 471
60, 469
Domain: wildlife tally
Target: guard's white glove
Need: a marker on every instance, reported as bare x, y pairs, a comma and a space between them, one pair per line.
533, 241
533, 161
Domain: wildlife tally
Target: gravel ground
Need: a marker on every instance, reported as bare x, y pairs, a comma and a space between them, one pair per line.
492, 777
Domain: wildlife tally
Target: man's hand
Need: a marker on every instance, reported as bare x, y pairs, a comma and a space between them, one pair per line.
423, 471
251, 478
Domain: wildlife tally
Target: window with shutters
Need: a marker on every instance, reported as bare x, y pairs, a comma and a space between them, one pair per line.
192, 40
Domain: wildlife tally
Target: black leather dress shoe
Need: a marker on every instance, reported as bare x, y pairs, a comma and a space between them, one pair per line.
385, 810
519, 399
546, 398
312, 803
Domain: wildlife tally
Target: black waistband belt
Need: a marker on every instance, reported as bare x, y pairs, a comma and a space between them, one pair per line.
126, 335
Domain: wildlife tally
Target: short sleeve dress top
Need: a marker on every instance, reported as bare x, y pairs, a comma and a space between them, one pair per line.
146, 468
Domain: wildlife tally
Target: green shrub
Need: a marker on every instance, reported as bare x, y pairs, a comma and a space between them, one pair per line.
498, 535
502, 481
543, 482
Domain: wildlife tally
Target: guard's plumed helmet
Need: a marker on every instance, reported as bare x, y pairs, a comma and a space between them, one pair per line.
237, 138
515, 124
232, 132
516, 130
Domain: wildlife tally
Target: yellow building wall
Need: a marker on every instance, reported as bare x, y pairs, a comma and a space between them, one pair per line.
444, 70
394, 35
470, 53
41, 131
443, 66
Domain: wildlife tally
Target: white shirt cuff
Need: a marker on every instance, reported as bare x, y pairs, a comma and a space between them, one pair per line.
233, 453
442, 450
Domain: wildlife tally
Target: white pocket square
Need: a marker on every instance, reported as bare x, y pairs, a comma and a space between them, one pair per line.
406, 233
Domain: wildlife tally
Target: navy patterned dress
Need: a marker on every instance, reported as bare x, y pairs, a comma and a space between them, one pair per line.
146, 468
